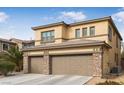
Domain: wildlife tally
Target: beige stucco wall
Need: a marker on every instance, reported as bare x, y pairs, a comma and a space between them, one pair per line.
33, 53
63, 32
109, 55
58, 34
19, 44
75, 50
100, 38
114, 48
65, 51
100, 29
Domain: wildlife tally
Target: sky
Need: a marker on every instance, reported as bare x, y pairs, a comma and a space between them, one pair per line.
17, 22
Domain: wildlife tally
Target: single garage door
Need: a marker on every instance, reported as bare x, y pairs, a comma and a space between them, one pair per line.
36, 64
73, 64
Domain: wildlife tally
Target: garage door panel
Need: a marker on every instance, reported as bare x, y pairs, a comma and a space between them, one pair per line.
36, 64
73, 64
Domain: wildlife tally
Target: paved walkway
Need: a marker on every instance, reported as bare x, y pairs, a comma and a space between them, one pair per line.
38, 79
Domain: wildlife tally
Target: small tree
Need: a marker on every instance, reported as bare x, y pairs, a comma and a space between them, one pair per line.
109, 83
13, 55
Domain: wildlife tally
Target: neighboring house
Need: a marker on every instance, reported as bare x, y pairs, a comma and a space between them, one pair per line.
5, 44
90, 48
23, 43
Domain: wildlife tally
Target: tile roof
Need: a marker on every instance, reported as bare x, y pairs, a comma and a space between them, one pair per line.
22, 41
69, 43
6, 40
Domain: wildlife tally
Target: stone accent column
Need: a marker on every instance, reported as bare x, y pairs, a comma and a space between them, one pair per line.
46, 62
97, 64
25, 64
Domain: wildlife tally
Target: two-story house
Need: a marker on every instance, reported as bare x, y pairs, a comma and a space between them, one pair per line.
5, 44
89, 47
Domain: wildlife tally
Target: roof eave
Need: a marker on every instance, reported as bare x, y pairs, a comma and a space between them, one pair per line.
49, 25
112, 22
90, 21
67, 46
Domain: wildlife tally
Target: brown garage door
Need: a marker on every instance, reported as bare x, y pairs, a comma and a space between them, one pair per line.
36, 64
73, 64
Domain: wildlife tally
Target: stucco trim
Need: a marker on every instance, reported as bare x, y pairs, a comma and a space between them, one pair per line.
49, 25
74, 38
73, 53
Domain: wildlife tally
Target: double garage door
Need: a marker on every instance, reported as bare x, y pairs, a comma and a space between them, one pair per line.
68, 64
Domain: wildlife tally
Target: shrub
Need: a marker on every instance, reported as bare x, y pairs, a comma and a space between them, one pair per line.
13, 55
108, 83
6, 67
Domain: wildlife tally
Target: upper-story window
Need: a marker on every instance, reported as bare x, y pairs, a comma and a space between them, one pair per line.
47, 36
5, 46
92, 31
84, 32
113, 33
110, 33
117, 43
77, 33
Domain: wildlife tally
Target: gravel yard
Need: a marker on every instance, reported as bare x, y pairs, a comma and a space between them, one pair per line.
95, 80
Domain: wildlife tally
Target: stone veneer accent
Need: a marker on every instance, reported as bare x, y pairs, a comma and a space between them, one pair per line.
25, 64
46, 62
97, 62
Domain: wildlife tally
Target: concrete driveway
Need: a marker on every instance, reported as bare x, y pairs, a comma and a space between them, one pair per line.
39, 79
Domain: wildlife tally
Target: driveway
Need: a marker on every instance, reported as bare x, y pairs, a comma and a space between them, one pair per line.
39, 79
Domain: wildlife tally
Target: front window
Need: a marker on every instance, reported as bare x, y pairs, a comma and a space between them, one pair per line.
77, 33
5, 46
47, 36
84, 32
92, 31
